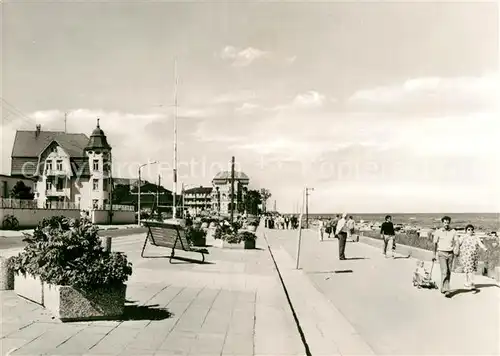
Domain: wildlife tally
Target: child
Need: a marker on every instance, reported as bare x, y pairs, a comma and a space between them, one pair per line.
420, 273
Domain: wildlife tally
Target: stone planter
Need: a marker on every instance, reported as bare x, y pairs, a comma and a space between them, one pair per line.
70, 304
251, 228
249, 245
29, 287
200, 242
227, 245
6, 274
218, 243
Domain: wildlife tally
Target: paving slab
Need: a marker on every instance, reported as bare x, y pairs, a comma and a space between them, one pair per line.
234, 305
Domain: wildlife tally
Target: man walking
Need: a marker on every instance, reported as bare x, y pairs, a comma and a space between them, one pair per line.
444, 242
341, 233
387, 233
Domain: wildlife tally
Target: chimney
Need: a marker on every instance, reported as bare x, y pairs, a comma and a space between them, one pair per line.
38, 129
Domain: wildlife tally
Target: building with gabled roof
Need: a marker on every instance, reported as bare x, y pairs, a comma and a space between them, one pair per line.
66, 167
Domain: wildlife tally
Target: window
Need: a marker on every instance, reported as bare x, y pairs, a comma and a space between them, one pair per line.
59, 165
95, 184
105, 185
96, 165
59, 184
95, 203
48, 185
49, 165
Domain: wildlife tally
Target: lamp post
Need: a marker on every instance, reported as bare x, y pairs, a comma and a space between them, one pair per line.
307, 206
139, 191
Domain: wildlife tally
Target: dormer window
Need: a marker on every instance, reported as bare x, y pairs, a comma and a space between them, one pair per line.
96, 165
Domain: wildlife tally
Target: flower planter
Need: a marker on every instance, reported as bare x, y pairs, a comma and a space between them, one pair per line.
212, 225
232, 246
249, 245
70, 304
6, 275
204, 225
29, 287
200, 242
251, 228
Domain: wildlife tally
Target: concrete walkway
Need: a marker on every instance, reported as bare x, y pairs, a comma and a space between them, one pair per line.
233, 306
374, 300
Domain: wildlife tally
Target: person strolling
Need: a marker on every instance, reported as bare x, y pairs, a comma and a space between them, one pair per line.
445, 239
387, 234
468, 254
341, 233
321, 228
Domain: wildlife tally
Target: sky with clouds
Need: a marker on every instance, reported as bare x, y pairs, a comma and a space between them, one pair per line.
381, 107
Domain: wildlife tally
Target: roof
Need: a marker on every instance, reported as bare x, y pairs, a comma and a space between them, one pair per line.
29, 144
98, 139
198, 190
227, 175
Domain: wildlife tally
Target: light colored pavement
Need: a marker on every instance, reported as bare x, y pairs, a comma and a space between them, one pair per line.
380, 305
233, 306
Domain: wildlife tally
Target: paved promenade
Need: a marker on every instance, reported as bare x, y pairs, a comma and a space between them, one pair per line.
374, 299
233, 306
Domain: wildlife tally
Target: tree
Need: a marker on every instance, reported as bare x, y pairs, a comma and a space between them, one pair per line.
252, 201
121, 193
265, 194
21, 191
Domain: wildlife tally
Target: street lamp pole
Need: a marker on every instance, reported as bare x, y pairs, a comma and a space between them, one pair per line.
139, 191
307, 206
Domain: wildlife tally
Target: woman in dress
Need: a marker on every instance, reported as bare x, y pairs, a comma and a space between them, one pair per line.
468, 255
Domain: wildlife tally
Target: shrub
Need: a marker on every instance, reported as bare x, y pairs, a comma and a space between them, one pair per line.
232, 238
247, 236
68, 252
195, 235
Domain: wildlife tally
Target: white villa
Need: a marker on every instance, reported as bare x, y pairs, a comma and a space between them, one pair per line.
66, 167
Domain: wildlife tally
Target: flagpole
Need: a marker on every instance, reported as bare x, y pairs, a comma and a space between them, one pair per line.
174, 188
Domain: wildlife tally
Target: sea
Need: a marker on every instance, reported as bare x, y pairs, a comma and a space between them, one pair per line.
487, 222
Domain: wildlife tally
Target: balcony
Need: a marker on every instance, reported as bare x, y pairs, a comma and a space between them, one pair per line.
53, 192
56, 173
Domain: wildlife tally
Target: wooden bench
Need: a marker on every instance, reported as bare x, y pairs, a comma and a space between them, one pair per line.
169, 235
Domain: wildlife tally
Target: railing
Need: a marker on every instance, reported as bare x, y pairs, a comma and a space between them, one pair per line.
33, 204
118, 207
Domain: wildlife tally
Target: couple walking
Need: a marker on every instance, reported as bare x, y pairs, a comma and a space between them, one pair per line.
448, 246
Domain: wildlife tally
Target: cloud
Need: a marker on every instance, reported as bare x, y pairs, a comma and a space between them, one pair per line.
241, 57
235, 97
310, 99
431, 95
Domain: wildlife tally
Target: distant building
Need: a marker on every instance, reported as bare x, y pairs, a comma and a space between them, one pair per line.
66, 167
197, 199
221, 193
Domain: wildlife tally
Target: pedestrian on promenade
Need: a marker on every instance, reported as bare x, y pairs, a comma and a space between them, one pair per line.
468, 254
335, 221
387, 233
321, 228
350, 228
445, 239
287, 222
341, 233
